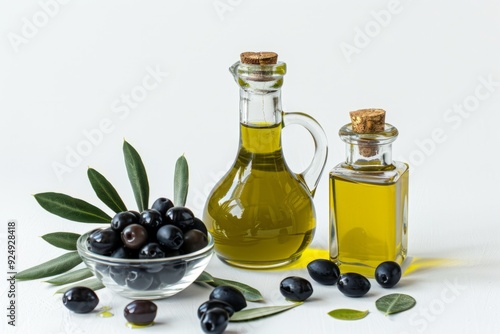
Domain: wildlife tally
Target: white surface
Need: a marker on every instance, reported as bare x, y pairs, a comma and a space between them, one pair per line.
69, 75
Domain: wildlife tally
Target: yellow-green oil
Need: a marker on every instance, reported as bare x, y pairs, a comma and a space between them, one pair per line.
260, 214
368, 223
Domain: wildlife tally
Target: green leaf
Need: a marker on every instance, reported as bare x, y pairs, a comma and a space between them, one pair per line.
71, 208
105, 191
251, 294
137, 176
181, 181
70, 277
395, 303
53, 267
261, 312
64, 240
92, 283
347, 314
205, 278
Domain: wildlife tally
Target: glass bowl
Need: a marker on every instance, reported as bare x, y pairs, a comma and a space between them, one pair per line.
146, 279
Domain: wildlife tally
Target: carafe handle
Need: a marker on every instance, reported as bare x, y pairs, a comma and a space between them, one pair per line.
312, 173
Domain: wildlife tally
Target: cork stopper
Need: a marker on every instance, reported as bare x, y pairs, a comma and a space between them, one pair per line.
368, 121
259, 58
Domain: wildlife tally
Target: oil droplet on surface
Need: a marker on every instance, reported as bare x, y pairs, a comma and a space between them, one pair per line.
136, 326
105, 314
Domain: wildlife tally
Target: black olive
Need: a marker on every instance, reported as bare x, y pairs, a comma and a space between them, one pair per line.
151, 251
214, 321
152, 221
140, 312
103, 241
388, 274
210, 304
200, 225
230, 295
181, 217
138, 279
296, 288
162, 205
80, 299
170, 237
122, 220
194, 240
172, 273
125, 253
323, 271
353, 285
118, 274
134, 236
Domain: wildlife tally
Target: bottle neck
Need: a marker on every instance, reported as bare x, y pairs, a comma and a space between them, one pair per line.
369, 151
260, 121
260, 109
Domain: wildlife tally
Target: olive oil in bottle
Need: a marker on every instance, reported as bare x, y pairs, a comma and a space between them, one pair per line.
260, 213
368, 197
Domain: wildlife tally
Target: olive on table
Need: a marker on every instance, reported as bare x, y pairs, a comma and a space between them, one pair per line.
140, 312
323, 271
353, 284
388, 274
230, 295
210, 304
214, 321
296, 288
80, 299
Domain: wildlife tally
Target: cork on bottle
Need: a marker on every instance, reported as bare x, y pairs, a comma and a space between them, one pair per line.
259, 58
368, 121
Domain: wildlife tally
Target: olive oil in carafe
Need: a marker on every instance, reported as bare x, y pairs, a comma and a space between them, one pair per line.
260, 212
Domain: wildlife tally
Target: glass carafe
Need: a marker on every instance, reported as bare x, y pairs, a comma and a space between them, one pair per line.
261, 214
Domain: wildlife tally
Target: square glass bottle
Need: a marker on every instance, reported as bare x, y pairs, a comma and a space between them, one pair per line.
368, 197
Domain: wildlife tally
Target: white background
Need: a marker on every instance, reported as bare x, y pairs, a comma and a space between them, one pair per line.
65, 69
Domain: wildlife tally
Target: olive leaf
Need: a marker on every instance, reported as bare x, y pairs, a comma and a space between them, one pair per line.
261, 312
64, 240
347, 314
71, 277
181, 181
105, 191
250, 294
53, 267
137, 176
71, 208
395, 303
91, 283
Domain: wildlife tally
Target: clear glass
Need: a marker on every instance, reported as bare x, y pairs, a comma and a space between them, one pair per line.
368, 203
261, 214
157, 278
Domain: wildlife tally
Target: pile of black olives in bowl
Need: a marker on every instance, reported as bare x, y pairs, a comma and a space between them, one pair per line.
150, 255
